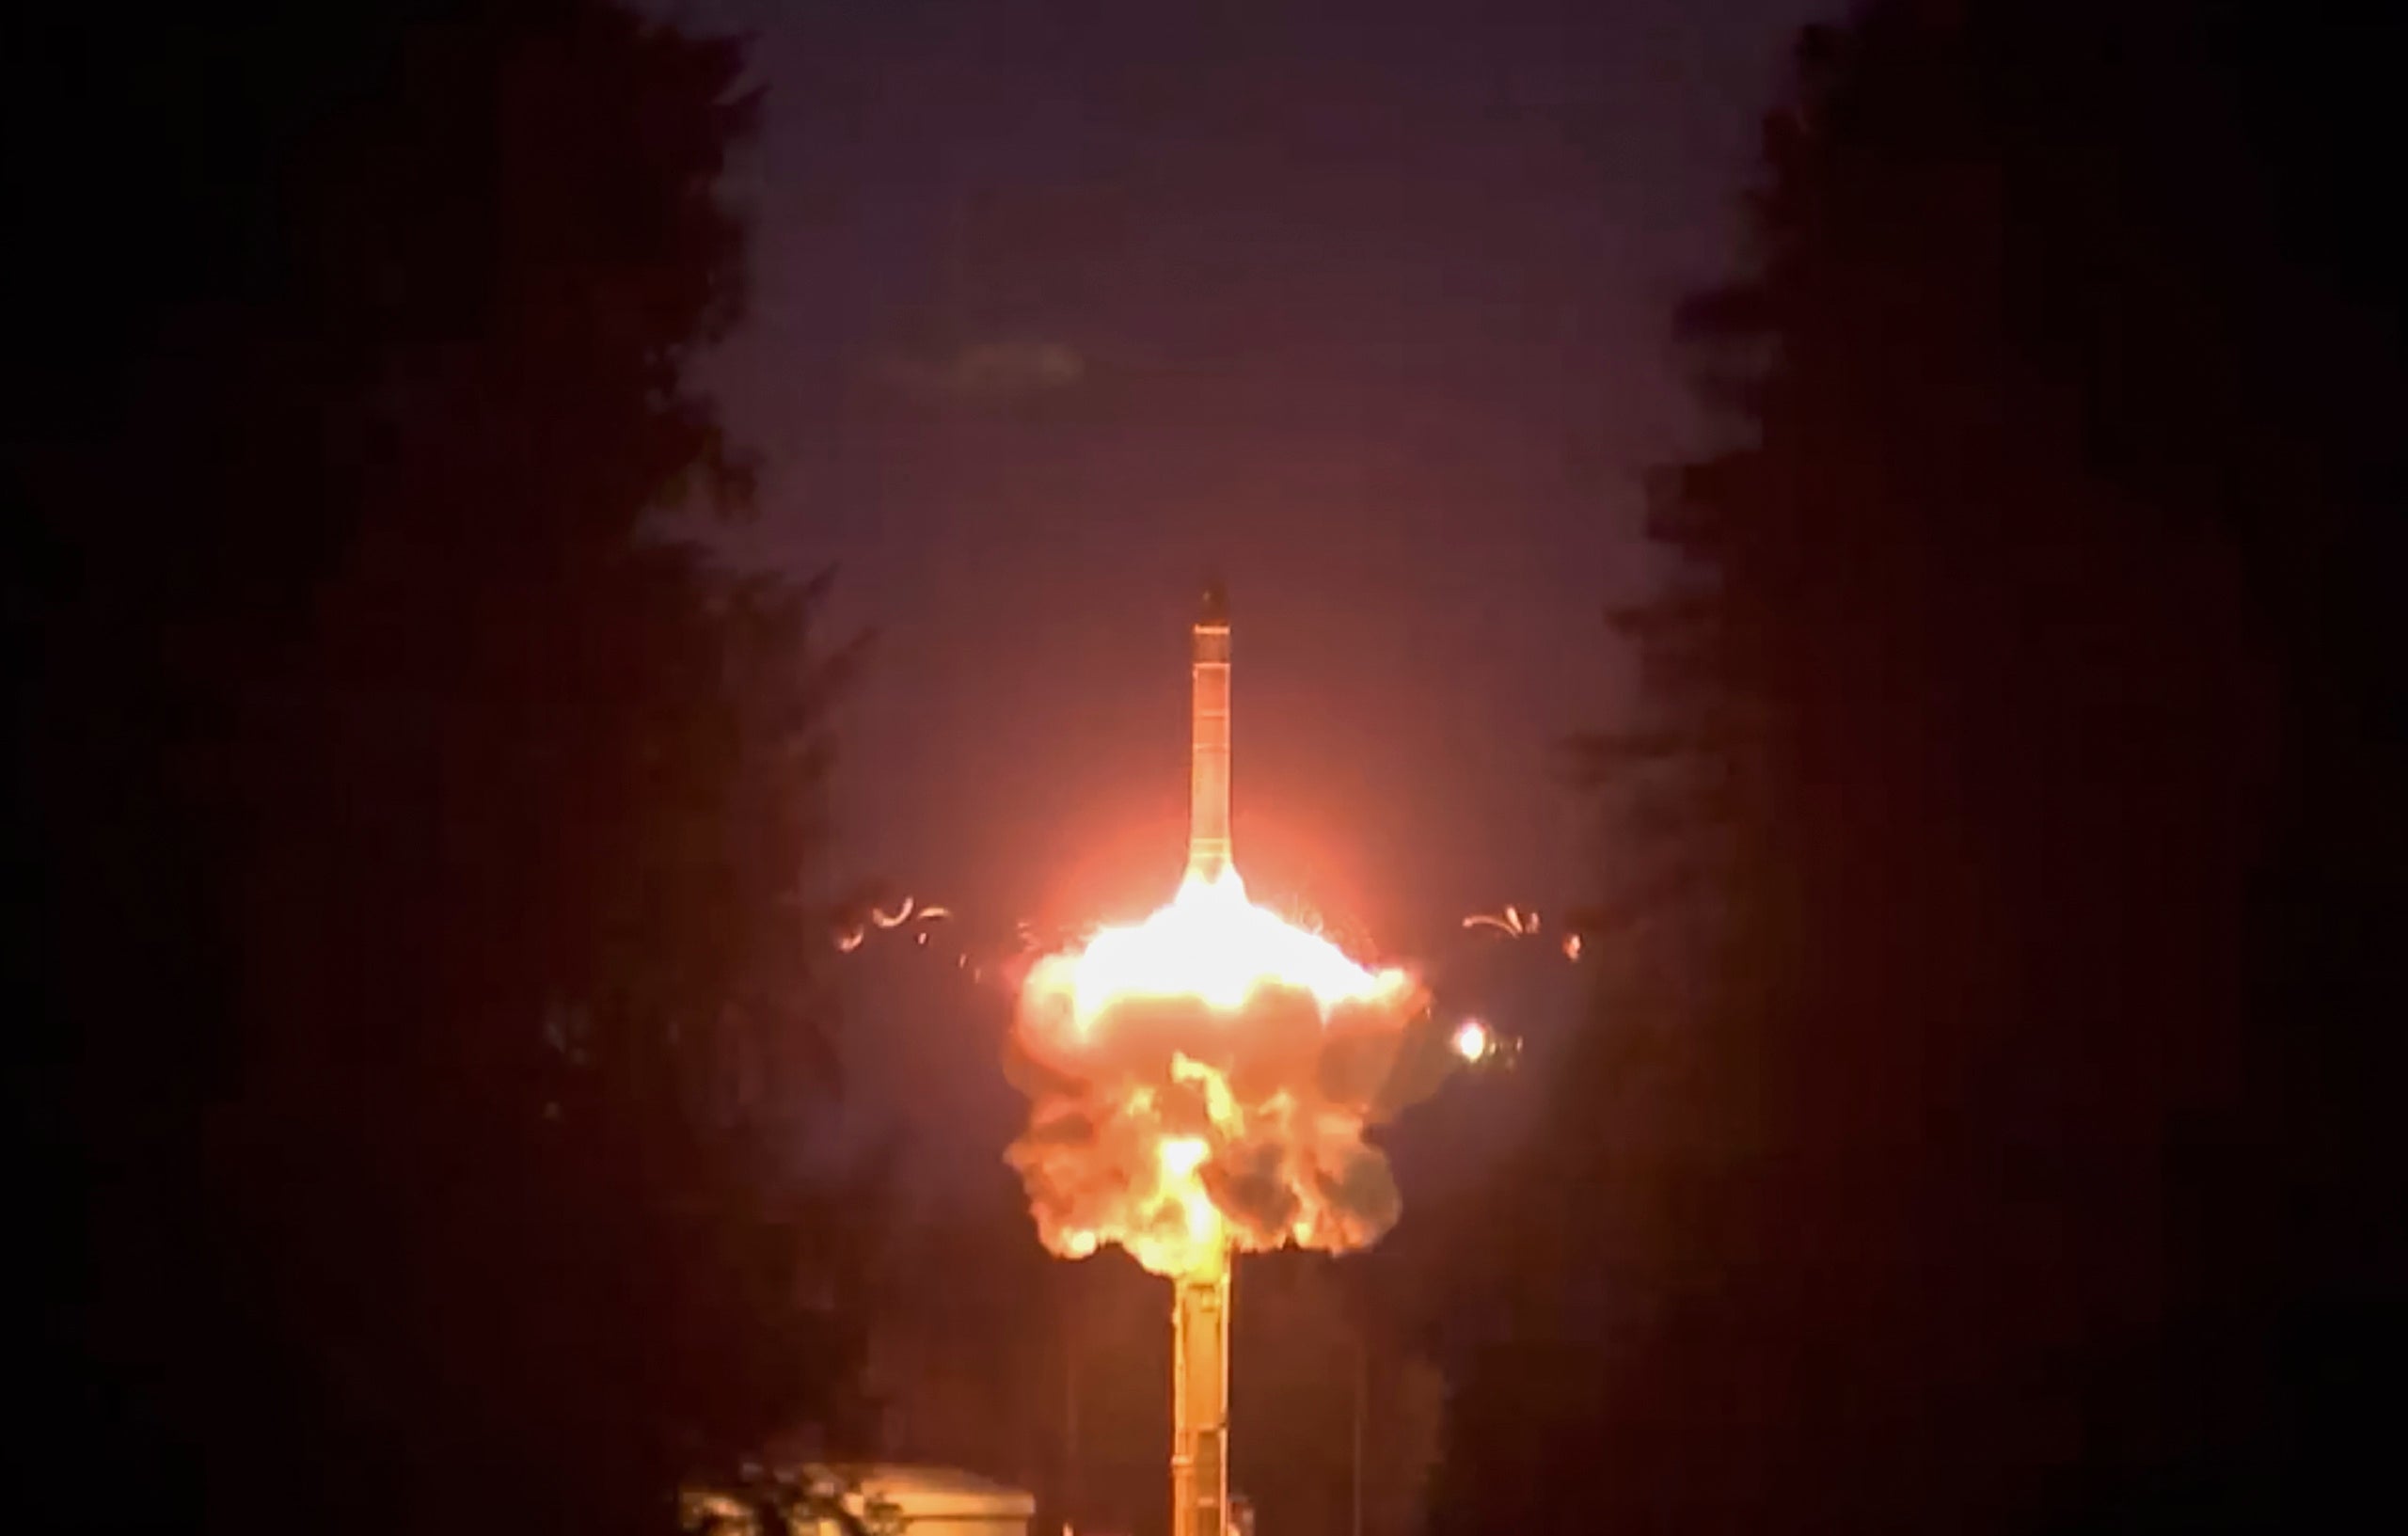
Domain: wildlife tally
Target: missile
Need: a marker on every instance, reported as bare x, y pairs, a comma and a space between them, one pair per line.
1208, 804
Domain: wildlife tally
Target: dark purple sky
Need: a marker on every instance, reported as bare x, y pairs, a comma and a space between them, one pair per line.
1057, 305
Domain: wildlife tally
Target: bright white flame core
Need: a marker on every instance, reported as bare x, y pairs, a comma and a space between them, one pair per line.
1471, 1039
1187, 1107
1209, 943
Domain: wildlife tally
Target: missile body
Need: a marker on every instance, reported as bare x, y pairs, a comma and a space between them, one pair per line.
1199, 1461
1208, 805
1199, 1409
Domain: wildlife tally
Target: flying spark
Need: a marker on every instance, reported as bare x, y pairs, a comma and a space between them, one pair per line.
1472, 1040
1510, 921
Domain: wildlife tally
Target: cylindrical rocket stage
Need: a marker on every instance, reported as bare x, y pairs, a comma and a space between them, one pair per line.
1208, 807
1199, 1363
1200, 1452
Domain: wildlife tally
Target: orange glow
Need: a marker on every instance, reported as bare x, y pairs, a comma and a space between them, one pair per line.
1181, 1156
1199, 1081
1472, 1040
1155, 1173
1209, 943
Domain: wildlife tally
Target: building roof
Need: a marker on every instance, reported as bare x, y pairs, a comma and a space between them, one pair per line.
923, 1491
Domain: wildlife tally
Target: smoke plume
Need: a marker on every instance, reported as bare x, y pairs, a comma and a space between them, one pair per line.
1177, 1125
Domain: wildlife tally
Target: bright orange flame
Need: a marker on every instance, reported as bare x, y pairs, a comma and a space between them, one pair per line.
1179, 1158
1182, 1155
1212, 943
1472, 1040
1214, 947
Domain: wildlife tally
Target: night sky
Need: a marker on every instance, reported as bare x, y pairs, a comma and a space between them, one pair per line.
1056, 307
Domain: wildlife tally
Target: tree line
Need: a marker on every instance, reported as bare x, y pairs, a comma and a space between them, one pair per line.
1985, 1122
417, 841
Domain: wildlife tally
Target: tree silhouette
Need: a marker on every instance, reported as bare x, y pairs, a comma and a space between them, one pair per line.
1980, 1129
420, 843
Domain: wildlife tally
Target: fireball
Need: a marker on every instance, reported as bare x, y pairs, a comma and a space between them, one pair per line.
1213, 944
1201, 1081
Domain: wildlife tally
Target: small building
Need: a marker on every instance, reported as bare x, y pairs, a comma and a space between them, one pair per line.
901, 1499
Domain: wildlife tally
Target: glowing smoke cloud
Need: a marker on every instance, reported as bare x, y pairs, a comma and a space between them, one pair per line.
1201, 1082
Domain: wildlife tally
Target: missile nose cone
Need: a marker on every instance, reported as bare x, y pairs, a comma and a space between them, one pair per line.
1208, 818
